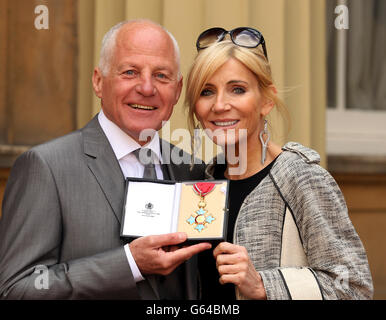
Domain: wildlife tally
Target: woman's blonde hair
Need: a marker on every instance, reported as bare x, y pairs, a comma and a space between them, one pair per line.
209, 60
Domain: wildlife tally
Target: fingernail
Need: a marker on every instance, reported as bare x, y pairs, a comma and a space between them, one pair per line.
182, 235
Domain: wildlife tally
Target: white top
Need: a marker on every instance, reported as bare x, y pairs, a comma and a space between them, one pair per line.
123, 145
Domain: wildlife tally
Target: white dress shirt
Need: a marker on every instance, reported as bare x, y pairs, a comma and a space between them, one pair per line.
123, 145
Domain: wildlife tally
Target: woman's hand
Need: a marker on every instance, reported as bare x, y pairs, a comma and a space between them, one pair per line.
235, 266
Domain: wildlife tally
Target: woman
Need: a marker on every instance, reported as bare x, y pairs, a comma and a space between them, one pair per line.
289, 234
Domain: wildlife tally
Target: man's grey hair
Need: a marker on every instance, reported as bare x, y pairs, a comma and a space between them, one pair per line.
109, 42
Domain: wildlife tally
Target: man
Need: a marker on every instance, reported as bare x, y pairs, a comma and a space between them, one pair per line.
62, 208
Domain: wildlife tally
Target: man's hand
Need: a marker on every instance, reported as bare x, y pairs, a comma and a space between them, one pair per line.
160, 255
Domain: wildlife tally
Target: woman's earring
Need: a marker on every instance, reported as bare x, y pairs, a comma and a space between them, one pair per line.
195, 143
264, 144
197, 138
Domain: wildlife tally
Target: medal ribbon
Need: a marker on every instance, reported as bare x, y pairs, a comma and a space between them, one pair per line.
203, 188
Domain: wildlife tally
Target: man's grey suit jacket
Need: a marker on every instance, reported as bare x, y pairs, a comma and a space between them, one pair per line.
62, 211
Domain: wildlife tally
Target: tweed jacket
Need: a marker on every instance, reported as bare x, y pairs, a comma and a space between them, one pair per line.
296, 229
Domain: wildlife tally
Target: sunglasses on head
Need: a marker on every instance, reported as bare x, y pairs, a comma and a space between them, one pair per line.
243, 37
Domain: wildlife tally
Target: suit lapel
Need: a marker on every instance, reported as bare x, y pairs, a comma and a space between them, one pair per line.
104, 165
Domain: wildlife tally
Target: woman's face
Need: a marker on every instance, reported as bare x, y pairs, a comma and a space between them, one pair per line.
230, 101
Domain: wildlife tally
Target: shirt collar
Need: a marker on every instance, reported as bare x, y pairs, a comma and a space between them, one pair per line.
121, 143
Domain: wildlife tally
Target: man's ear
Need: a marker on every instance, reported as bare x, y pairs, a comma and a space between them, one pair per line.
268, 103
97, 82
179, 89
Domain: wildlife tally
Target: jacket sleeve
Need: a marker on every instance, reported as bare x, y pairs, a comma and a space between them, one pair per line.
337, 265
31, 232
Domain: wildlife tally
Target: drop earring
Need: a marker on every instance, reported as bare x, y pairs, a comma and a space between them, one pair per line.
197, 138
264, 144
195, 143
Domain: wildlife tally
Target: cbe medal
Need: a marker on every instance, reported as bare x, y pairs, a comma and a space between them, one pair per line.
201, 217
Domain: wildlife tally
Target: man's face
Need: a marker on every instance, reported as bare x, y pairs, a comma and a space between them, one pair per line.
142, 84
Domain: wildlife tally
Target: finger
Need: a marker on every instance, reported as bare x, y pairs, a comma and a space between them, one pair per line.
228, 269
163, 240
225, 259
186, 253
229, 278
225, 247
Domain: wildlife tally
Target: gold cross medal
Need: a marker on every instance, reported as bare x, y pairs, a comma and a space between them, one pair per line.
200, 218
